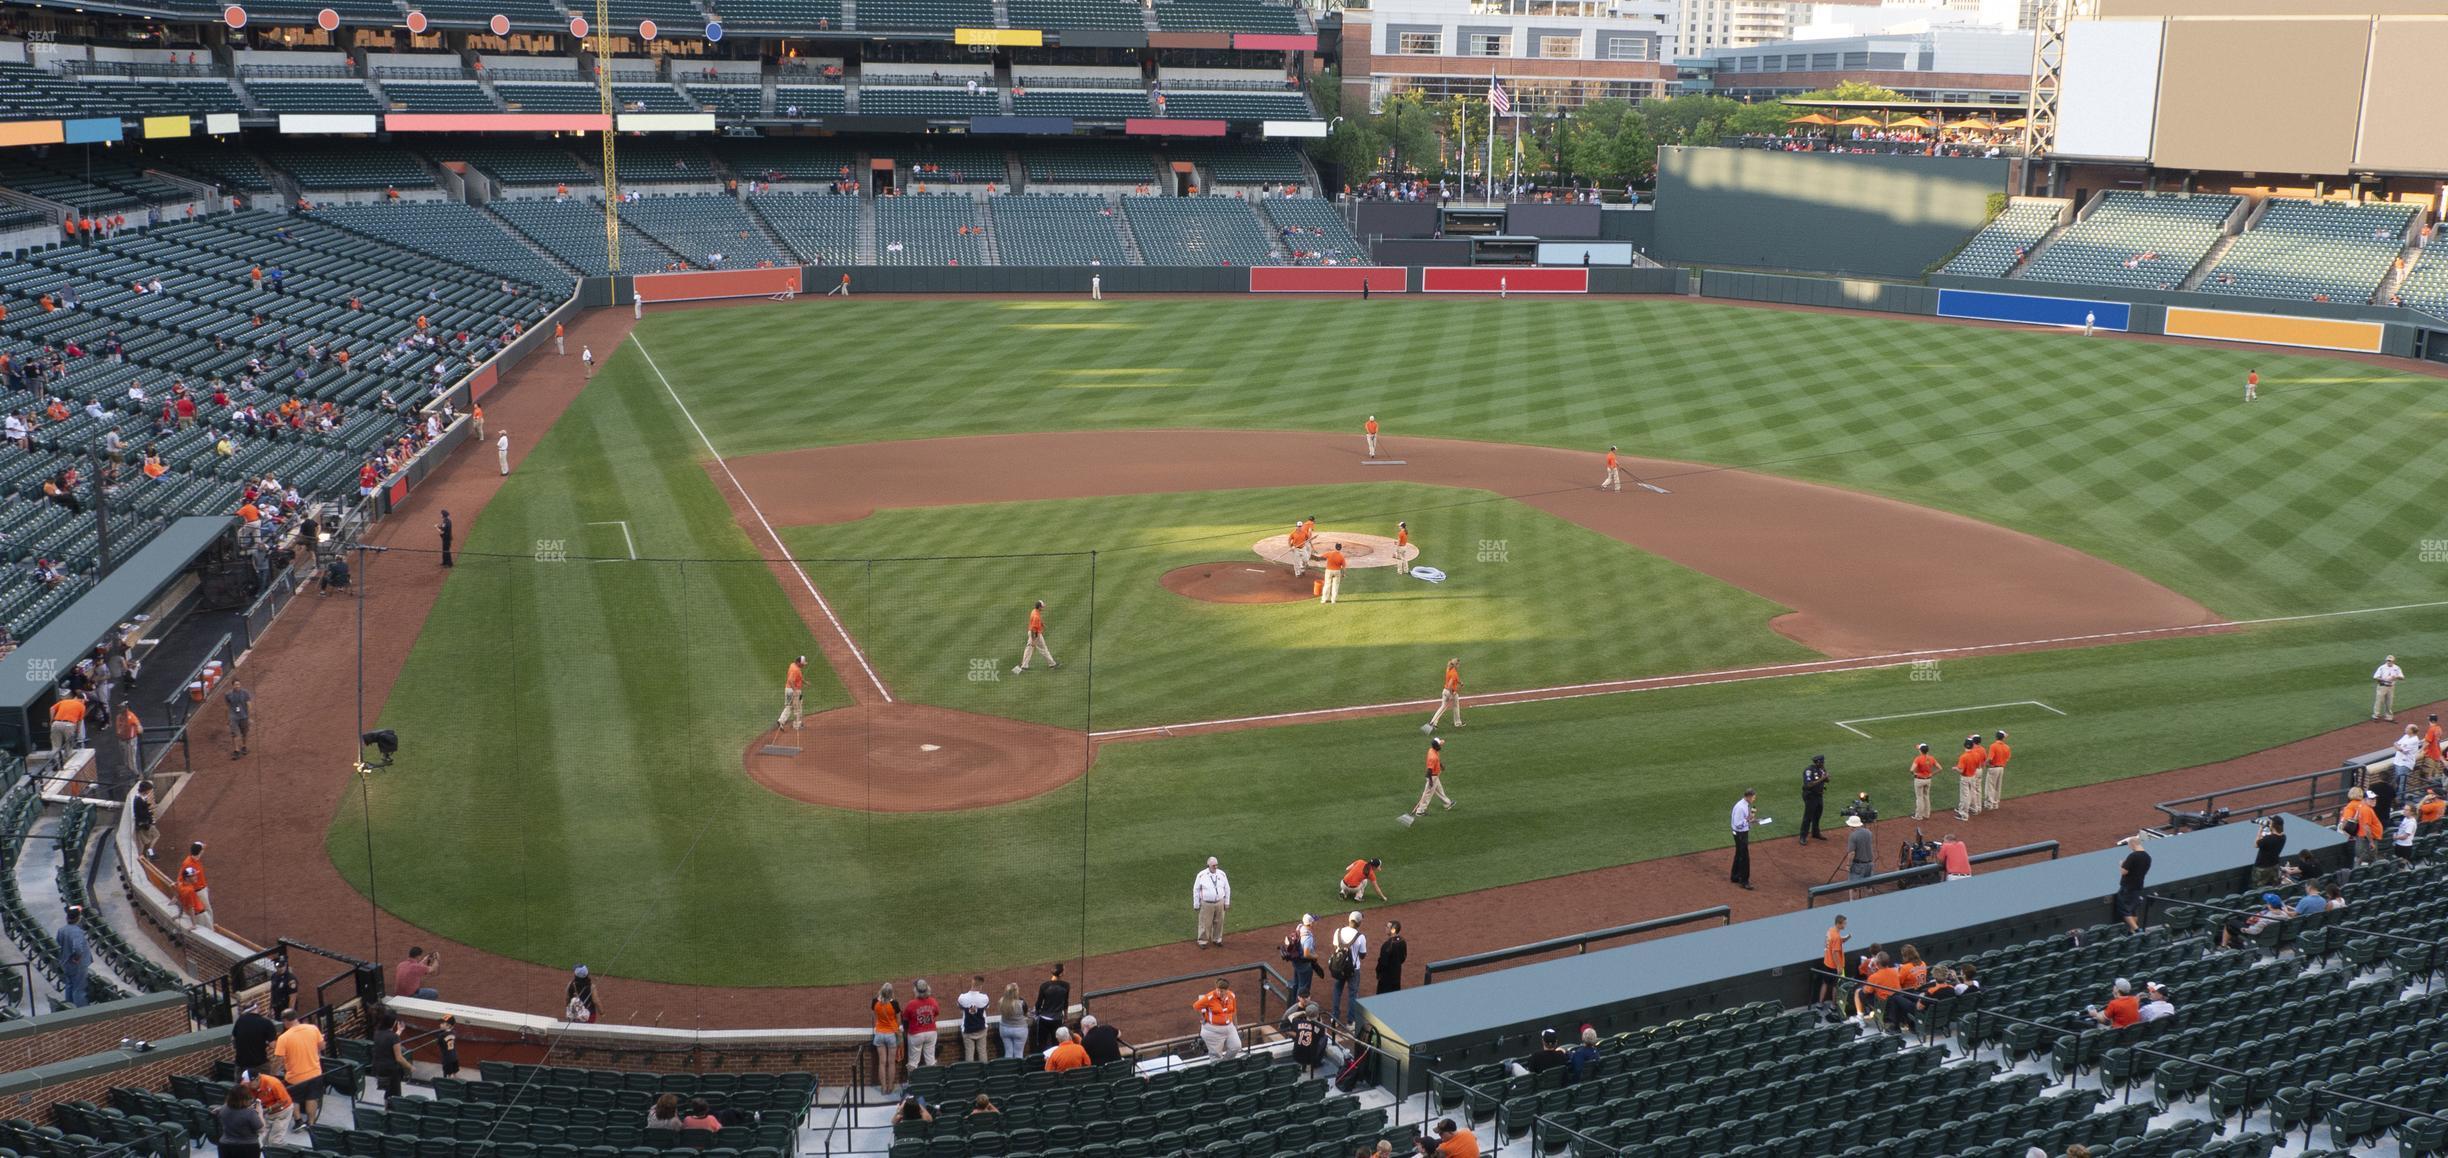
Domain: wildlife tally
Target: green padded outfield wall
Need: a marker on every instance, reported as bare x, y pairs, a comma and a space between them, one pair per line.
1873, 216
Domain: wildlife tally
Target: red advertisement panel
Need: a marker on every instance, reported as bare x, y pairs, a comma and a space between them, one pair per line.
483, 380
1338, 279
1161, 127
1513, 279
718, 283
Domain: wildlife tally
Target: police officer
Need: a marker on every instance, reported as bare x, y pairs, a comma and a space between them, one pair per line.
1814, 799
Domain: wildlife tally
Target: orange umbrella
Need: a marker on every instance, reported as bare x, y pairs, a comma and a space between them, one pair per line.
1911, 123
2017, 123
1863, 122
1813, 119
1970, 123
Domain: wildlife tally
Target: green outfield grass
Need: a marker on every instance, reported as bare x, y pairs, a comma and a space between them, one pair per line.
577, 792
1554, 604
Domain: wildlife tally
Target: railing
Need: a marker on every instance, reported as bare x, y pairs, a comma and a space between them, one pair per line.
2432, 962
1579, 943
1265, 979
2308, 793
1436, 1102
1930, 871
854, 1096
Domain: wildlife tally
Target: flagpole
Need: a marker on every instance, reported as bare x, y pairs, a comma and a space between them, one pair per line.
1491, 136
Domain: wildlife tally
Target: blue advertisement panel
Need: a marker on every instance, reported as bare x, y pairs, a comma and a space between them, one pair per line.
1034, 126
91, 129
2035, 311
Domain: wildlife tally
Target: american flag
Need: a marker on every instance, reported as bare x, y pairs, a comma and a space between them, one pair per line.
1497, 99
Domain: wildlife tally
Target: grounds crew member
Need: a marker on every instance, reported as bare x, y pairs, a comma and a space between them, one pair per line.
1358, 878
1968, 778
1614, 473
1331, 589
1451, 697
1924, 769
1993, 776
794, 695
1371, 430
1434, 789
1035, 640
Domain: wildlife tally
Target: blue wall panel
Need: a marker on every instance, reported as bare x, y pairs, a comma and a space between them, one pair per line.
2037, 311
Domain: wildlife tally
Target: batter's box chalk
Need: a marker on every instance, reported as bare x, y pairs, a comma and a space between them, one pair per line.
777, 750
1385, 462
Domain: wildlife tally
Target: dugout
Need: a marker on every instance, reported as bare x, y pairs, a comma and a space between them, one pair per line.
1483, 1017
136, 585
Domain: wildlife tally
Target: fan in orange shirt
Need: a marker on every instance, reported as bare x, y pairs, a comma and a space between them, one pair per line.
1036, 643
1067, 1054
1614, 474
794, 693
1832, 959
1451, 697
1216, 1009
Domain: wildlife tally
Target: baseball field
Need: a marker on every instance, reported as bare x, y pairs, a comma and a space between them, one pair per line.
1864, 533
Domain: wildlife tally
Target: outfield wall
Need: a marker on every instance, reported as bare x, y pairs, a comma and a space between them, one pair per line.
1146, 279
1878, 216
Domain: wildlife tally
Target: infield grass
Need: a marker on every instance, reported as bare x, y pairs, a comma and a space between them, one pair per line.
578, 793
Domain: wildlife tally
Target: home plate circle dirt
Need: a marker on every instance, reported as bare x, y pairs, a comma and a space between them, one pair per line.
1237, 583
916, 758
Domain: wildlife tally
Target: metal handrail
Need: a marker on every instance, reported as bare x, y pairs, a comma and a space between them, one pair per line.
1269, 981
2202, 811
2433, 944
1578, 942
1810, 896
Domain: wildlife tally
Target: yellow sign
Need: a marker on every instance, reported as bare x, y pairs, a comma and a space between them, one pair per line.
2275, 330
178, 126
1008, 37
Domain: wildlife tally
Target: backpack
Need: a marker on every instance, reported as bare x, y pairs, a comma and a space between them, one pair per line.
1339, 962
1292, 948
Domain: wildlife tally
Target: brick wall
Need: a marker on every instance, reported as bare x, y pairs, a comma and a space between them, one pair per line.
31, 1094
75, 1033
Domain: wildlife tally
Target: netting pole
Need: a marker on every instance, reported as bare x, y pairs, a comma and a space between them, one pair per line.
365, 791
1087, 761
868, 711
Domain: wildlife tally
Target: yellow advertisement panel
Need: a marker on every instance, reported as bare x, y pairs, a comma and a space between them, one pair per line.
2275, 330
1011, 37
178, 126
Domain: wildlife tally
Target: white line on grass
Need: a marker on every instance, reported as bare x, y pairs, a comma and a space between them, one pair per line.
623, 524
1847, 725
1744, 674
759, 512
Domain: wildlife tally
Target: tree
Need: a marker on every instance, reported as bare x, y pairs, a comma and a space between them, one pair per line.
1407, 132
1854, 90
1762, 118
1609, 141
1694, 119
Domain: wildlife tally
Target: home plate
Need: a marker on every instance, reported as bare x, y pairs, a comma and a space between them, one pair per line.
930, 747
777, 750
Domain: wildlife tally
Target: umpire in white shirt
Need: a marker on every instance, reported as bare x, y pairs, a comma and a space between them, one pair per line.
1210, 897
2384, 689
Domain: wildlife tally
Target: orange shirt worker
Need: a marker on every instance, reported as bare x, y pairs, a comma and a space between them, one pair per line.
67, 719
1359, 878
1298, 540
1434, 789
1370, 429
1332, 589
1402, 549
1993, 776
794, 694
1035, 643
1614, 473
1451, 697
1216, 1009
1924, 769
1968, 779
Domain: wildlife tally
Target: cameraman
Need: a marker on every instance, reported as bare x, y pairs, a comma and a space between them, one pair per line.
2269, 848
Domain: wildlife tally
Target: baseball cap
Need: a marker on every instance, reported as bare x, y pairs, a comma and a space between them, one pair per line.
1308, 918
2269, 898
1355, 914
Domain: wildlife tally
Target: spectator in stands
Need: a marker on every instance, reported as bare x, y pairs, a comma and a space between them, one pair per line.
251, 1037
2404, 755
1012, 1021
918, 1020
1066, 1054
912, 1110
1904, 1009
2155, 1002
1218, 1011
2401, 842
1454, 1141
389, 1061
273, 1099
2132, 873
664, 1114
2429, 811
983, 1105
1103, 1042
75, 956
2232, 933
701, 1116
299, 1050
409, 976
1052, 1009
242, 1124
1880, 982
1546, 1057
1308, 1033
887, 1035
2269, 850
2360, 824
973, 1004
2123, 1009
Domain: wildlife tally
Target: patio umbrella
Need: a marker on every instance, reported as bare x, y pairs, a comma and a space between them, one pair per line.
1911, 123
1813, 119
1863, 122
1971, 123
2017, 123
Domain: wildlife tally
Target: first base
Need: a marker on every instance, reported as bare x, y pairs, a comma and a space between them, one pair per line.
777, 750
1405, 819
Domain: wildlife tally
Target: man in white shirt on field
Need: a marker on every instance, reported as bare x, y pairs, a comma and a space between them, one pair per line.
2385, 679
1211, 898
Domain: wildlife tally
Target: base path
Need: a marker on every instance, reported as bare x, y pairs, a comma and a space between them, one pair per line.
1864, 575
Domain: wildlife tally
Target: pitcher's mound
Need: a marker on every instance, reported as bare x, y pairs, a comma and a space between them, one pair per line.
1238, 583
904, 757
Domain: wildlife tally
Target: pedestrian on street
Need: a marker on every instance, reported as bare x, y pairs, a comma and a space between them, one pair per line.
2385, 679
1924, 770
1741, 875
1211, 899
241, 703
444, 529
1391, 953
1814, 799
1861, 856
76, 956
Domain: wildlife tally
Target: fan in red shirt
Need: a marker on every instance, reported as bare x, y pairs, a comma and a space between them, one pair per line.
2122, 1010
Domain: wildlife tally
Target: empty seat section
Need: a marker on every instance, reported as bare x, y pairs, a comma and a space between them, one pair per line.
729, 102
2135, 239
1238, 106
1228, 16
336, 167
529, 163
1080, 163
233, 169
932, 103
1060, 14
709, 229
1198, 231
925, 14
1082, 104
2002, 243
927, 229
952, 162
548, 96
574, 231
801, 101
313, 96
651, 98
661, 162
437, 96
2299, 249
2426, 284
451, 230
775, 160
821, 228
783, 15
1039, 229
1244, 162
